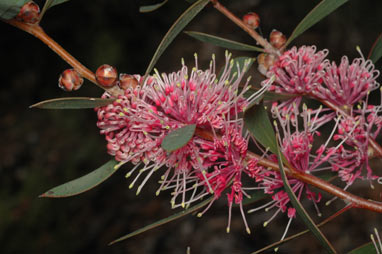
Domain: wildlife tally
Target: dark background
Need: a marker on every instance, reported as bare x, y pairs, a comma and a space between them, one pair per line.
41, 148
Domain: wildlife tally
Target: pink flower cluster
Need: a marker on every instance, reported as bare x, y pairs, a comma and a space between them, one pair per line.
137, 121
215, 159
305, 71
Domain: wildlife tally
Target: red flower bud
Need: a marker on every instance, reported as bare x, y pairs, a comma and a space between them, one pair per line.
29, 13
126, 81
277, 39
106, 75
70, 80
252, 20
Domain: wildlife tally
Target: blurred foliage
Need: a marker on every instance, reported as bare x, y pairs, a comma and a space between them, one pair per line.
42, 149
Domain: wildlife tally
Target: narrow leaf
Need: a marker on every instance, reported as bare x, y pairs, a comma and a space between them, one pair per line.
164, 221
175, 29
72, 103
221, 42
150, 8
178, 138
300, 209
83, 183
367, 248
257, 122
10, 8
323, 9
376, 50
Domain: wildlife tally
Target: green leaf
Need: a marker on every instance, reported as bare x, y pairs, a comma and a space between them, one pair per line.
72, 103
376, 50
323, 9
221, 42
178, 138
257, 122
83, 183
300, 209
153, 7
367, 248
175, 29
10, 8
50, 3
164, 221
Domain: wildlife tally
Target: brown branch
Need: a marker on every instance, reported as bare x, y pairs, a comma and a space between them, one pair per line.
263, 42
353, 200
38, 32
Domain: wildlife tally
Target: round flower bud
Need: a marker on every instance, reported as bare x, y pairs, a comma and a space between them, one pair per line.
29, 13
70, 80
277, 39
252, 20
265, 61
106, 75
126, 81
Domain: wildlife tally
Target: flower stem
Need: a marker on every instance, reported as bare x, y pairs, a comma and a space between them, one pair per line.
39, 33
355, 201
263, 42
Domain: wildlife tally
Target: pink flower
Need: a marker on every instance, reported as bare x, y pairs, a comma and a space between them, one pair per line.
137, 121
347, 83
296, 145
298, 71
354, 131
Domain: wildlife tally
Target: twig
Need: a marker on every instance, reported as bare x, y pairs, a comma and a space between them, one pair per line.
263, 42
40, 34
355, 201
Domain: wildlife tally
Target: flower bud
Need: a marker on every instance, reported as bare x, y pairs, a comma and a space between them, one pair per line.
277, 39
252, 20
265, 61
70, 80
126, 81
106, 75
29, 13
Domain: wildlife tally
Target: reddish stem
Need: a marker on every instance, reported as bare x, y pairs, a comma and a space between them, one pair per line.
263, 42
354, 200
39, 33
